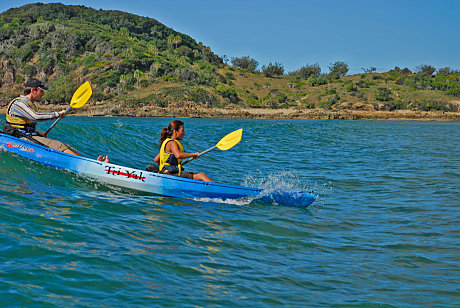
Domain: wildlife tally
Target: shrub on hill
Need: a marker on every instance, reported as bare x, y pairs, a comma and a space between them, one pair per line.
428, 105
245, 63
446, 80
339, 68
383, 94
271, 70
228, 93
427, 70
306, 71
317, 81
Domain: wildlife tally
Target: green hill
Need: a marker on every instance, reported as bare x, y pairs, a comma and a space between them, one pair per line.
135, 61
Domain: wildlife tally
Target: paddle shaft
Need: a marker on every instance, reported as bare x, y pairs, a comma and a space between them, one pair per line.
57, 120
200, 154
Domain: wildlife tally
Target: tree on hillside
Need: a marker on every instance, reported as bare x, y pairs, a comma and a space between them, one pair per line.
124, 79
306, 71
445, 71
138, 74
273, 69
174, 40
153, 49
177, 40
369, 70
29, 70
383, 94
124, 32
339, 68
61, 89
405, 71
245, 63
426, 69
227, 93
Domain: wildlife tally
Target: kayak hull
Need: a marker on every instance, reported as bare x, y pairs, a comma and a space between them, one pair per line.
150, 182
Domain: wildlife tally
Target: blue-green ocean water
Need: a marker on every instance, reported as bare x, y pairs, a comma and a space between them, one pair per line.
384, 232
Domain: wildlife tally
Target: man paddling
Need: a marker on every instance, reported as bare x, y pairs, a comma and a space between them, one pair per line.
22, 116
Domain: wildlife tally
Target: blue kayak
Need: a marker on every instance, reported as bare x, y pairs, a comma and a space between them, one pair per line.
150, 182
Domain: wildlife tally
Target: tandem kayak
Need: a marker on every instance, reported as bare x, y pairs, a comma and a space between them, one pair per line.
145, 181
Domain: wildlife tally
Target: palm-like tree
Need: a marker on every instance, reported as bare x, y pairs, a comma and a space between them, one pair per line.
171, 39
153, 49
177, 40
138, 74
174, 40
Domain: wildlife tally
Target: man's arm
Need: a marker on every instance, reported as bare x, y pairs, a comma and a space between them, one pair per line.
22, 110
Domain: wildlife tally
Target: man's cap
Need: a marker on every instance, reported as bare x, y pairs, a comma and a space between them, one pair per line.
35, 83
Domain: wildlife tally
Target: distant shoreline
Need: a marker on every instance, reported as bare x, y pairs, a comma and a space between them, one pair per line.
292, 113
259, 113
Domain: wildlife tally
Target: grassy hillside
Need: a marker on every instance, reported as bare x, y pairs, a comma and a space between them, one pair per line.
116, 51
134, 61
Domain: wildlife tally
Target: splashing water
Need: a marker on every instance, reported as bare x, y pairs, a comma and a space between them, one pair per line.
286, 183
287, 180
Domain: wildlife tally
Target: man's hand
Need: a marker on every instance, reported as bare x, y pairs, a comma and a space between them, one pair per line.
62, 114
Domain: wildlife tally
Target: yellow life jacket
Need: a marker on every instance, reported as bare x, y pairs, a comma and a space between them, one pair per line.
21, 122
169, 162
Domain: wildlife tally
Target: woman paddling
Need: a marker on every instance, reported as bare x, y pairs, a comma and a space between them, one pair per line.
172, 153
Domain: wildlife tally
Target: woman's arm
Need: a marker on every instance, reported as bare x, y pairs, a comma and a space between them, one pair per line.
174, 148
157, 159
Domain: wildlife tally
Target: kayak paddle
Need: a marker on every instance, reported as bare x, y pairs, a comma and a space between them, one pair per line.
79, 98
224, 144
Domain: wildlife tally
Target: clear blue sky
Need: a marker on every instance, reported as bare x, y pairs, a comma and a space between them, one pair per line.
362, 33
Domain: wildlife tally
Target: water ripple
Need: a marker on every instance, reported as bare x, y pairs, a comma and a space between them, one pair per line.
384, 231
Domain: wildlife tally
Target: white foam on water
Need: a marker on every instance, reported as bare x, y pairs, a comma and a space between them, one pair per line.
285, 180
119, 124
241, 201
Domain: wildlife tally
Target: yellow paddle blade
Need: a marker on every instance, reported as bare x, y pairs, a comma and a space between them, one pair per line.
230, 140
81, 96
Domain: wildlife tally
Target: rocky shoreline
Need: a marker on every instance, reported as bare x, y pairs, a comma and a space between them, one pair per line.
258, 113
255, 113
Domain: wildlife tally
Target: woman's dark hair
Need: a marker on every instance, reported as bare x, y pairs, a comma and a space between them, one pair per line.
168, 131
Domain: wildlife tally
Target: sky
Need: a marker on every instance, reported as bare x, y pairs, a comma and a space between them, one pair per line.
295, 33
